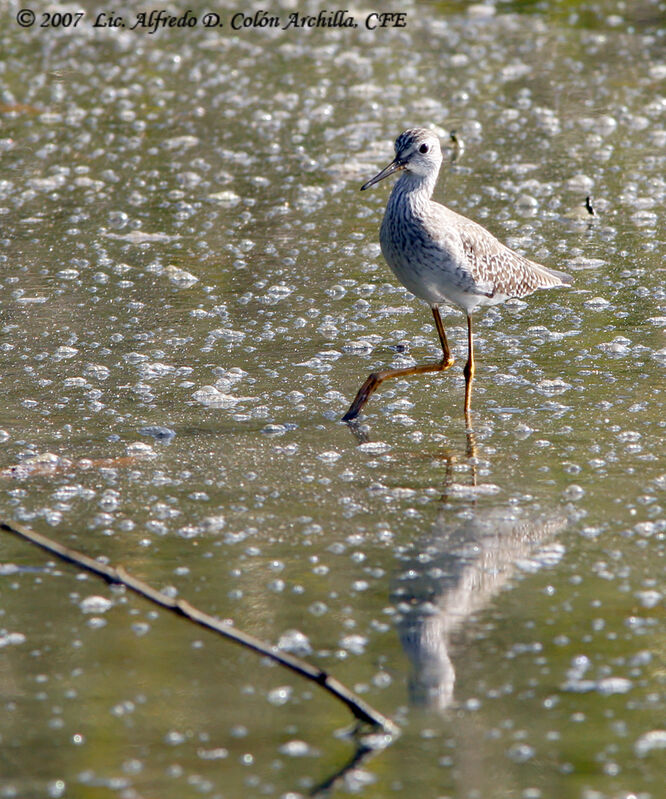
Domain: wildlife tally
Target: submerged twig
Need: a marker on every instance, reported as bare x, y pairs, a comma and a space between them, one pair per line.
361, 755
361, 710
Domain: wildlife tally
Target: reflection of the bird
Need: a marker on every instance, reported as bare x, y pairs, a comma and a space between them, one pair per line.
454, 573
448, 455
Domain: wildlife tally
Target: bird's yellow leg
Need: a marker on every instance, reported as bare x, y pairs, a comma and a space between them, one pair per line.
469, 370
375, 379
447, 358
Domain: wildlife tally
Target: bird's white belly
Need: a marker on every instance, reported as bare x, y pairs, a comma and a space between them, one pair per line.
435, 283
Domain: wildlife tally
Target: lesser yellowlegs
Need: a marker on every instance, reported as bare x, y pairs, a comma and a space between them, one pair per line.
443, 257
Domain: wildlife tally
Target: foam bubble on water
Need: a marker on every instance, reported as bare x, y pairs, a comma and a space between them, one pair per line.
649, 599
139, 449
355, 644
521, 753
180, 278
462, 491
597, 304
579, 183
296, 748
211, 397
614, 685
652, 741
64, 353
214, 524
295, 642
552, 388
374, 447
12, 639
226, 198
219, 753
95, 604
281, 695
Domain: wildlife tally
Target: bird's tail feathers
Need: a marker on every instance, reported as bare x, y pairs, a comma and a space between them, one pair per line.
552, 277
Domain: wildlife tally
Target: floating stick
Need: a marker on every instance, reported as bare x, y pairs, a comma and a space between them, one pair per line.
361, 710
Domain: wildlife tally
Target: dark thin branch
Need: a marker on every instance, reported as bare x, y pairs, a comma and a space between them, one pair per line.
361, 710
360, 756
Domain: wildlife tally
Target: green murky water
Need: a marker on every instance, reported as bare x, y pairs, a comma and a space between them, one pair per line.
191, 292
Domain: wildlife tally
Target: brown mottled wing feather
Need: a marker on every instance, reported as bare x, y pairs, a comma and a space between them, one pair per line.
500, 270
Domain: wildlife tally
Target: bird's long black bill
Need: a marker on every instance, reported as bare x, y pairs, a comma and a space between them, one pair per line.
394, 166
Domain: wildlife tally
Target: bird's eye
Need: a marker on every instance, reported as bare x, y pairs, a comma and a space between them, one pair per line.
424, 148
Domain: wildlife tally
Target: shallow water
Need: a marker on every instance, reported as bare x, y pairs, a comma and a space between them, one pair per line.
191, 294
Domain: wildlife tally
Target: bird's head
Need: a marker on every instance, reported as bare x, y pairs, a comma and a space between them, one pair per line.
417, 150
